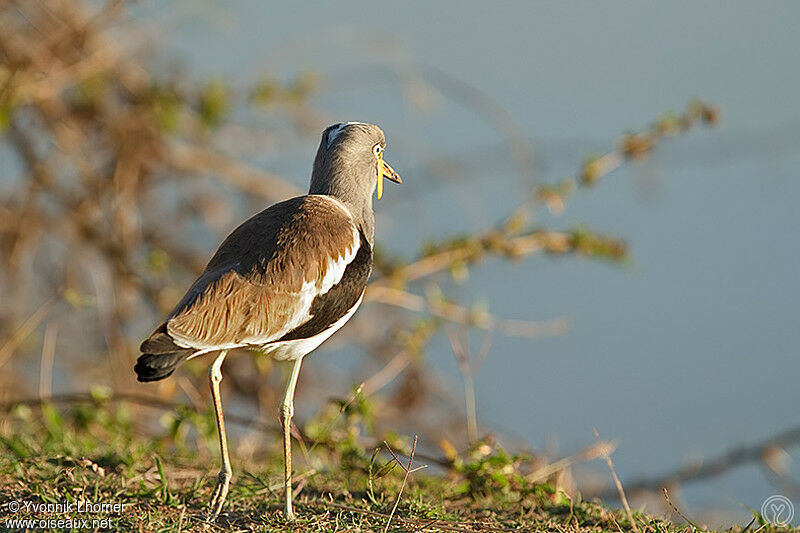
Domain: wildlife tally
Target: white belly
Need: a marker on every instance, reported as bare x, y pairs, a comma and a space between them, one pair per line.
296, 348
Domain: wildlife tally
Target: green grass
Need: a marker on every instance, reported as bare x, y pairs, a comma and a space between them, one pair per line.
95, 451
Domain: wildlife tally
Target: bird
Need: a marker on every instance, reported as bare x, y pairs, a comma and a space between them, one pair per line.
282, 282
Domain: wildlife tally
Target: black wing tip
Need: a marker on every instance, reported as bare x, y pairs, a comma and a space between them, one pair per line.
155, 367
148, 378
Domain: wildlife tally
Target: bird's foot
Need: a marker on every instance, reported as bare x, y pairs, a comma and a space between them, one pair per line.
218, 496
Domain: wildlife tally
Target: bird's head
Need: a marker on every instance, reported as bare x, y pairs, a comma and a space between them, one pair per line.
350, 161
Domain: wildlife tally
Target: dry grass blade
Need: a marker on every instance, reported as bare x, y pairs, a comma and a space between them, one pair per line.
418, 524
48, 359
460, 349
675, 508
618, 483
24, 330
387, 373
596, 450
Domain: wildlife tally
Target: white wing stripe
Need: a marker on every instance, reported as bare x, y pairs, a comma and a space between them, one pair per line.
334, 269
311, 289
293, 349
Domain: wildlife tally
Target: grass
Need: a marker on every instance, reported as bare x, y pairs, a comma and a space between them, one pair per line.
96, 452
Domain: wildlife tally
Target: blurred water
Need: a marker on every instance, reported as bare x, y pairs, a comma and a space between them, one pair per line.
687, 351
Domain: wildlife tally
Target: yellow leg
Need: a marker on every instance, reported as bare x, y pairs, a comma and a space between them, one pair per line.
224, 478
287, 411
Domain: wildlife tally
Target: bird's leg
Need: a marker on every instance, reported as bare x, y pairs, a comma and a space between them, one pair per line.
287, 411
224, 479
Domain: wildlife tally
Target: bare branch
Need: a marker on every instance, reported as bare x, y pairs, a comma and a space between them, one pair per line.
188, 158
461, 315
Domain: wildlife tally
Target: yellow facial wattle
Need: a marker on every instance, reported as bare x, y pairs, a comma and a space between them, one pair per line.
380, 177
385, 171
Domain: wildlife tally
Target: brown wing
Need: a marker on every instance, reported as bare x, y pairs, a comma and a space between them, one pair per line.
263, 278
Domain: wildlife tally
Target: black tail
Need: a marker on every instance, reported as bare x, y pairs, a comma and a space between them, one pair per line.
160, 356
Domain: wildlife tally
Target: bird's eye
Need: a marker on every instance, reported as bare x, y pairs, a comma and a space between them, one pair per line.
377, 149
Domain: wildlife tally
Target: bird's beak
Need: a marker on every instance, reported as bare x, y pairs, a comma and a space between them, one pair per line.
386, 171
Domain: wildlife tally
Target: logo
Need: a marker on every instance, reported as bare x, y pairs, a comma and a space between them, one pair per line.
777, 510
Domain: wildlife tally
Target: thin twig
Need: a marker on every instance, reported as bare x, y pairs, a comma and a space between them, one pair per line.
408, 471
712, 467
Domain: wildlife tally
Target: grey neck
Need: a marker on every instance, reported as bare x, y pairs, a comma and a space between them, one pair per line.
359, 202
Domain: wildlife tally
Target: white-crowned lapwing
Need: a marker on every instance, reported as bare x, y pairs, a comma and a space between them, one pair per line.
284, 281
